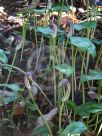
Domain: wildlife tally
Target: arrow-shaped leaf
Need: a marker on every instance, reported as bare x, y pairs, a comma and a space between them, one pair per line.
65, 69
84, 44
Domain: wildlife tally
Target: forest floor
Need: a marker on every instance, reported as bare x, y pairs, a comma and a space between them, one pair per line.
40, 69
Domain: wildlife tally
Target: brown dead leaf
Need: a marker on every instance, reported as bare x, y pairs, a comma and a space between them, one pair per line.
18, 109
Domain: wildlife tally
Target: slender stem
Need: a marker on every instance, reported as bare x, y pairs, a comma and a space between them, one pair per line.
38, 52
60, 116
97, 121
24, 35
13, 67
8, 77
75, 69
87, 126
91, 120
87, 62
53, 57
35, 29
99, 93
82, 69
83, 92
73, 74
99, 131
82, 66
30, 92
99, 57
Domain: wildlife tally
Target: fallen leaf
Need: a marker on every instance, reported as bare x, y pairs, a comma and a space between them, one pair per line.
48, 117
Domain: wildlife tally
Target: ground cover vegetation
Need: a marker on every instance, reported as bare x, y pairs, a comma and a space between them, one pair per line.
50, 68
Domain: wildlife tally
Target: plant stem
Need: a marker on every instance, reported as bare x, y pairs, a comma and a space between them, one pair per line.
24, 35
30, 92
60, 115
99, 131
75, 68
13, 67
53, 57
8, 77
99, 56
73, 91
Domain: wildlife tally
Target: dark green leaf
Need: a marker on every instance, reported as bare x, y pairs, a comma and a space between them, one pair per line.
84, 44
32, 10
94, 72
7, 68
41, 130
86, 24
6, 100
31, 106
93, 75
13, 87
90, 77
9, 99
86, 109
71, 105
100, 83
96, 41
44, 30
75, 128
3, 57
60, 7
65, 69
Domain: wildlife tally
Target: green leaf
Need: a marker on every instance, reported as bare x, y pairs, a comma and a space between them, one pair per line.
93, 75
96, 41
38, 11
60, 7
31, 106
13, 87
100, 83
91, 72
86, 109
65, 69
71, 105
6, 100
8, 68
84, 44
32, 10
44, 30
3, 57
41, 130
86, 24
9, 99
90, 77
75, 128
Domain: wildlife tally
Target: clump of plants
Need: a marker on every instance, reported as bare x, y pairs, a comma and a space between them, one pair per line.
59, 88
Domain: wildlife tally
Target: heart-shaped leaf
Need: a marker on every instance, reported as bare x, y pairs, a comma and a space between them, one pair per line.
3, 57
44, 30
86, 109
60, 7
91, 72
71, 105
13, 87
6, 100
84, 44
9, 99
33, 10
93, 75
75, 128
86, 24
42, 130
65, 69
